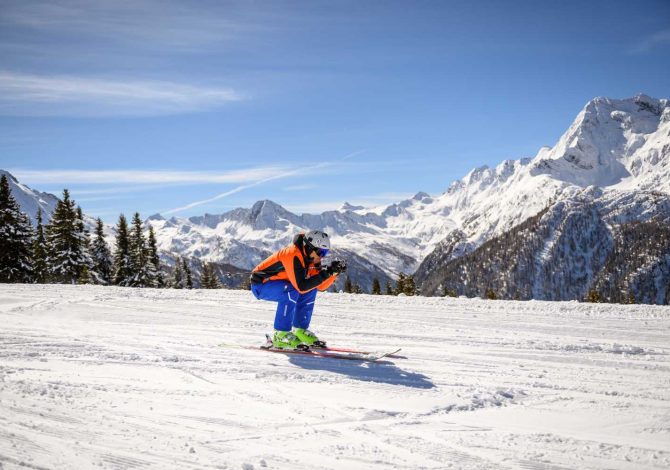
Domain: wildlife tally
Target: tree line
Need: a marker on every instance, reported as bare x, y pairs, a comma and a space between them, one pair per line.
62, 251
405, 285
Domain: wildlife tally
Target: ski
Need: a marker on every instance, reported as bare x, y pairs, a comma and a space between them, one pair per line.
345, 355
351, 356
393, 354
320, 347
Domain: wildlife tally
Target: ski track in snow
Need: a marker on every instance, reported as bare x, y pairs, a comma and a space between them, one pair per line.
120, 378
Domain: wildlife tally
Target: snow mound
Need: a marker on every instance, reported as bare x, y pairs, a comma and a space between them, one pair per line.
481, 399
588, 346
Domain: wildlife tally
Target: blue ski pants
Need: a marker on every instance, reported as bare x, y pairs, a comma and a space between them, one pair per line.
293, 308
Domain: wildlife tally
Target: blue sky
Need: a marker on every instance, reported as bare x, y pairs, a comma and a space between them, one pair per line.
192, 107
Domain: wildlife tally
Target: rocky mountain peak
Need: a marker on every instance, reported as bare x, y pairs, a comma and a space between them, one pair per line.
156, 217
349, 207
598, 147
267, 214
420, 196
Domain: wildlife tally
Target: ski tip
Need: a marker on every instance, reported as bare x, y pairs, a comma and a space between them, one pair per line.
388, 355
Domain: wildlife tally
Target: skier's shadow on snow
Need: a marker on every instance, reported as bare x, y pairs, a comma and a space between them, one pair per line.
381, 372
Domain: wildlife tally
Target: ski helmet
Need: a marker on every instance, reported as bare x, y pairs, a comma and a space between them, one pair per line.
319, 241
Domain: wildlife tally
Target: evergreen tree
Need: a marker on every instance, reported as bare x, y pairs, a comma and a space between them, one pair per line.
400, 284
84, 274
205, 276
142, 273
40, 267
122, 263
101, 256
593, 296
348, 285
208, 278
16, 238
154, 259
66, 242
376, 287
446, 292
187, 274
409, 287
389, 288
178, 278
246, 284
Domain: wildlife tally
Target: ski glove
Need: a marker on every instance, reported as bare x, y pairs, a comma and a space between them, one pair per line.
336, 267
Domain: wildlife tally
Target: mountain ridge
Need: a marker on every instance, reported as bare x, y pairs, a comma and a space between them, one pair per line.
612, 150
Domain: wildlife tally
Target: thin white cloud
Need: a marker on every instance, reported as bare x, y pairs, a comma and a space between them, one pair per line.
112, 190
102, 198
385, 197
302, 171
646, 44
354, 154
142, 176
163, 24
23, 94
313, 207
368, 202
285, 174
102, 212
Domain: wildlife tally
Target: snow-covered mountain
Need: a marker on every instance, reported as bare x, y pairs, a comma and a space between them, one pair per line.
615, 159
611, 245
619, 147
244, 237
30, 200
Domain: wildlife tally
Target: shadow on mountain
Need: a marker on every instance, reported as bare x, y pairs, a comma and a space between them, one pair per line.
384, 372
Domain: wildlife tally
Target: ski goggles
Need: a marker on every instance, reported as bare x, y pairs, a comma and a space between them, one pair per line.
321, 252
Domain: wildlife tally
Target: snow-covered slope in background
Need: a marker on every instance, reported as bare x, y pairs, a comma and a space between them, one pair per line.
630, 151
615, 244
30, 200
123, 378
611, 141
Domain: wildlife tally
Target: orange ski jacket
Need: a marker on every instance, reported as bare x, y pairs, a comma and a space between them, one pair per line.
293, 265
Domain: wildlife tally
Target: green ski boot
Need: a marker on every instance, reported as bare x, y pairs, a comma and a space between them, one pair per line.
287, 340
308, 337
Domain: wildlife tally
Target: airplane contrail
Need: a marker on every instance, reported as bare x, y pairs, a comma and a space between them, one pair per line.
285, 174
246, 186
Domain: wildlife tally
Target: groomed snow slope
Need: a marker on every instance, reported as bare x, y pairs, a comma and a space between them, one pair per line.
95, 377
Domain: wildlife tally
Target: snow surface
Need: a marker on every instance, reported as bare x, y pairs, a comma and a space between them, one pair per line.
107, 377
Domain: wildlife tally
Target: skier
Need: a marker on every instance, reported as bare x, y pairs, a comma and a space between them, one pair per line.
291, 277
